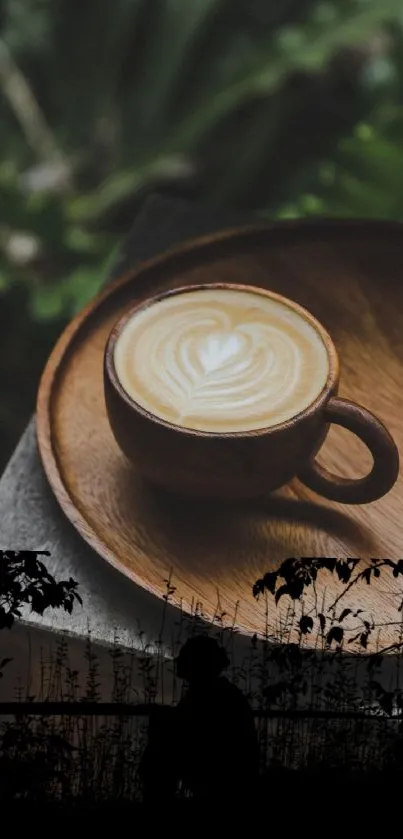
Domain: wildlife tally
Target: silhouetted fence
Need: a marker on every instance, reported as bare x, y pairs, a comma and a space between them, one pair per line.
116, 709
98, 745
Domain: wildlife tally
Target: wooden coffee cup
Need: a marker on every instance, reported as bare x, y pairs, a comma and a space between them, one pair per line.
248, 464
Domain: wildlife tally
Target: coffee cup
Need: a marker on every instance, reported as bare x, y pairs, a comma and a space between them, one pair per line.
227, 392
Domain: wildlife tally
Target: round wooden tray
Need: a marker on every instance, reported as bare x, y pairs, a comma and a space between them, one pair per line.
349, 275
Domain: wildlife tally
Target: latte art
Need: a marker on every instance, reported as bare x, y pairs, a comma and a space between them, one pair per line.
221, 360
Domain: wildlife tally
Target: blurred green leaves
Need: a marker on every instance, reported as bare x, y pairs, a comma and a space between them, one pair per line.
70, 295
113, 100
365, 180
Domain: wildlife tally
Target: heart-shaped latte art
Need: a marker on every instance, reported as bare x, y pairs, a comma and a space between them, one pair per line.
211, 362
221, 370
219, 349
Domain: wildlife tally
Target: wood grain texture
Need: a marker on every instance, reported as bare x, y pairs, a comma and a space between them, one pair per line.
349, 276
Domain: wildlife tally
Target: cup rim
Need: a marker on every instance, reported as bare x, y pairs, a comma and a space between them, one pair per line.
327, 391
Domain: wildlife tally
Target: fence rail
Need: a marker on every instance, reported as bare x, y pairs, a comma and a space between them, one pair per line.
107, 709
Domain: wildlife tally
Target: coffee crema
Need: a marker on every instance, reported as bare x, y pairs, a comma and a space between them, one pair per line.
221, 360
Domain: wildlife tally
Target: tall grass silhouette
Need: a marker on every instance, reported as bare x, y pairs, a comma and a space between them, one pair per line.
94, 758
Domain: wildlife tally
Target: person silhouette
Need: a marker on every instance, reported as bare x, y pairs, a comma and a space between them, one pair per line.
218, 751
210, 744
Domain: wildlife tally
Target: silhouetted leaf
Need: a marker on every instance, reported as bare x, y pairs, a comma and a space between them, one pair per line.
269, 581
389, 562
398, 569
258, 588
288, 568
306, 624
336, 633
282, 590
343, 570
297, 588
344, 614
367, 575
328, 562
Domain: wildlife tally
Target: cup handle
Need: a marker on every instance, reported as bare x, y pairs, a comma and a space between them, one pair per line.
384, 451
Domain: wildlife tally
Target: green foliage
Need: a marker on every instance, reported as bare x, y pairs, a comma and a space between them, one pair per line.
132, 95
364, 180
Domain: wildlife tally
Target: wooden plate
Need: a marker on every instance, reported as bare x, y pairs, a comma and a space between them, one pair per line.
349, 275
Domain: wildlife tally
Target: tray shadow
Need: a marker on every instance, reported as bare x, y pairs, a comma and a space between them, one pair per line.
197, 535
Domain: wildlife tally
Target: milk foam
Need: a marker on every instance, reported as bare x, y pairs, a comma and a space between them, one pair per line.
221, 360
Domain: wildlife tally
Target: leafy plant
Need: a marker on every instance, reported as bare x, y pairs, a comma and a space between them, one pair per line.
24, 580
301, 573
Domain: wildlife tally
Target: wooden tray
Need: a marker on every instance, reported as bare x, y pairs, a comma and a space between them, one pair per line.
349, 275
